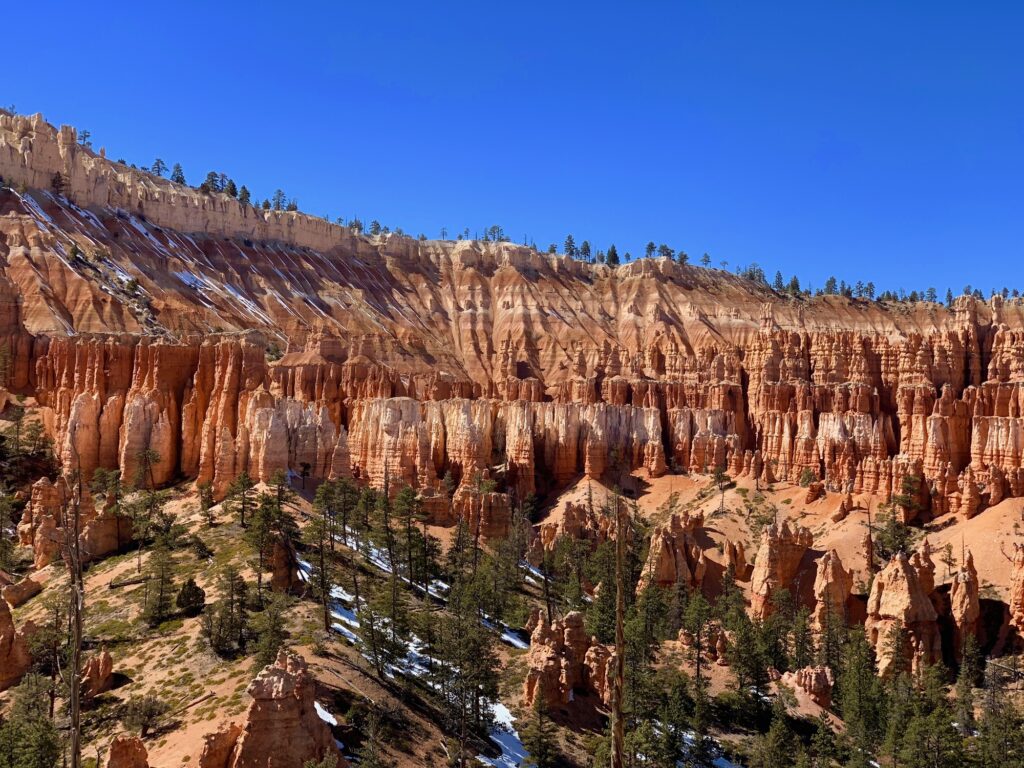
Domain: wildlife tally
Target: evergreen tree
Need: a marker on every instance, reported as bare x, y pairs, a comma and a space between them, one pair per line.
240, 496
226, 626
160, 587
570, 246
705, 260
999, 741
696, 621
244, 196
142, 713
860, 697
269, 628
191, 599
230, 188
776, 748
538, 737
649, 249
318, 535
778, 284
28, 736
613, 256
159, 167
584, 252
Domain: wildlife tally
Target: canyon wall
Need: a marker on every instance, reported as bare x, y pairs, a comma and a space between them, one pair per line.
140, 314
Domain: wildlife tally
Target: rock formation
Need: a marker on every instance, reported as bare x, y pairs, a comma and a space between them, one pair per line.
674, 556
964, 602
562, 660
832, 586
778, 560
97, 674
143, 314
564, 368
14, 654
282, 722
20, 591
1016, 602
900, 602
815, 682
127, 751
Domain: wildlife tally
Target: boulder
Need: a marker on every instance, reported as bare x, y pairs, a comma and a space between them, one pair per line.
21, 591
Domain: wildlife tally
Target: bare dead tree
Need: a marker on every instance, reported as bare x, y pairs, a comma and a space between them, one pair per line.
71, 551
618, 684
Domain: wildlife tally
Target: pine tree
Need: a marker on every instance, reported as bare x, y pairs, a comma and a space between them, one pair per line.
778, 284
160, 587
696, 620
649, 249
584, 252
58, 184
244, 196
538, 737
240, 496
159, 167
570, 246
775, 749
613, 256
28, 736
860, 697
1000, 725
259, 534
230, 188
705, 260
318, 535
269, 628
226, 626
191, 599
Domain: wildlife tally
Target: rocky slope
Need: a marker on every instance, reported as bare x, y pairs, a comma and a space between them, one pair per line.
140, 314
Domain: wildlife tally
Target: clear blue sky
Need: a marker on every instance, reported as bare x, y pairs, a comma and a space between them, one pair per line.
871, 140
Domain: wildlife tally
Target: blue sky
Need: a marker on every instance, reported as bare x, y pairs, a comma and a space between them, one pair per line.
870, 140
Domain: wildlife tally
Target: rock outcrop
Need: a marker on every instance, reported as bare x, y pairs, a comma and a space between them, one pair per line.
143, 314
1016, 601
900, 604
777, 563
126, 751
674, 556
965, 603
97, 674
564, 660
832, 587
282, 723
21, 591
815, 682
15, 659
